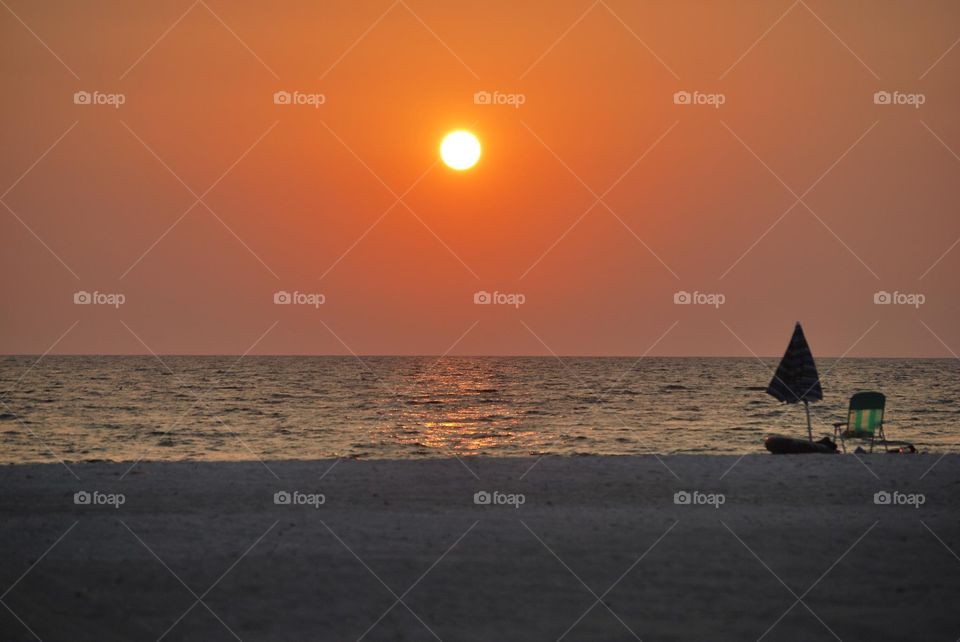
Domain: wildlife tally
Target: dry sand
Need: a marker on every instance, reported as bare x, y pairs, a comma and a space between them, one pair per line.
803, 527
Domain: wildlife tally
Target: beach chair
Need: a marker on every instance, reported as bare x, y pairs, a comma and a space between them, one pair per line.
865, 422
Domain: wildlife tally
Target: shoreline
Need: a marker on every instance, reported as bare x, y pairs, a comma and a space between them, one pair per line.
445, 456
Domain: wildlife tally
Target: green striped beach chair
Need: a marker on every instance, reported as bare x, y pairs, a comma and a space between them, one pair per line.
865, 422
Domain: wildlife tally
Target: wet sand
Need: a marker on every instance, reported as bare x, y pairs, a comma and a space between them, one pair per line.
783, 548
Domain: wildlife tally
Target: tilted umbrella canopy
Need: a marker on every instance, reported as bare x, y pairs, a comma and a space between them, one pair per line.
796, 378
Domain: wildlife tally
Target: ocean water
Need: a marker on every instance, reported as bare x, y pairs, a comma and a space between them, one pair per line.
221, 408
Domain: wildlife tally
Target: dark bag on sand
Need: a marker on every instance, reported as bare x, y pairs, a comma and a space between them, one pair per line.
780, 445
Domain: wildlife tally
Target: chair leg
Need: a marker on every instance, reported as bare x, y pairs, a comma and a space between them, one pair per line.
838, 437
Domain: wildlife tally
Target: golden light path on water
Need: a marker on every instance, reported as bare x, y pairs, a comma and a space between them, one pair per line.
448, 411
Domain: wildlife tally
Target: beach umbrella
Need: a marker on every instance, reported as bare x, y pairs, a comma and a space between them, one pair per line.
796, 378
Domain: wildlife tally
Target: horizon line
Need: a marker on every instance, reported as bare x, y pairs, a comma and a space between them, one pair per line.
460, 356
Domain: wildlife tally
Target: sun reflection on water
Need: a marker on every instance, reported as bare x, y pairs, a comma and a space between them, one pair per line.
461, 408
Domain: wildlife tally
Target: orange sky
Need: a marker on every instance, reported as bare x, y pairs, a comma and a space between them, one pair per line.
302, 204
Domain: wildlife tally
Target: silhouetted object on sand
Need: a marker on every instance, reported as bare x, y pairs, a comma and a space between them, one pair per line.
796, 378
865, 421
780, 445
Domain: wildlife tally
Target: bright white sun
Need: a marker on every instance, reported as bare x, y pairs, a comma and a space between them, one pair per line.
460, 150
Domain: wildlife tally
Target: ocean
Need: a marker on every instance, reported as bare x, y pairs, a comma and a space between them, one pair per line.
128, 408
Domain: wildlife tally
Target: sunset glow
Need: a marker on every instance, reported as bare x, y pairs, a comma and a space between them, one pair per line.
501, 126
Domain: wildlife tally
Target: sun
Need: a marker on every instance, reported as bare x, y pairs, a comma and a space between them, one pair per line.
460, 150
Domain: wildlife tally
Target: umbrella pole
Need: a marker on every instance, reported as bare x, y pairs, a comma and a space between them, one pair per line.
806, 406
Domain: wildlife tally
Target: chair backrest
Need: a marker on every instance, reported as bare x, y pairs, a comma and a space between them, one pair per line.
865, 415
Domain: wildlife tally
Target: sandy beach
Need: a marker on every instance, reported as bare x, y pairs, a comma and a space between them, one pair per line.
584, 548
